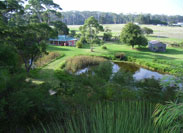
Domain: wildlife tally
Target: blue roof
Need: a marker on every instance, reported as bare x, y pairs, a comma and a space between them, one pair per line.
63, 38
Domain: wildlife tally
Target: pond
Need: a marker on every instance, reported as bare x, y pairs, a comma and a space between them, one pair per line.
139, 73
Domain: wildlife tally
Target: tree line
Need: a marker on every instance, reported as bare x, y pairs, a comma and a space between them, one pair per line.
78, 18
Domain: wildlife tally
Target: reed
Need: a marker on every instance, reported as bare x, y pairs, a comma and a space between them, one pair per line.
109, 117
78, 62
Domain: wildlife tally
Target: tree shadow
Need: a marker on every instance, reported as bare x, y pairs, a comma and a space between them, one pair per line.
144, 53
167, 52
158, 36
173, 51
59, 48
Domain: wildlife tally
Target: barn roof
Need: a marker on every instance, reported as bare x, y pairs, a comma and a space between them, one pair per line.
63, 38
155, 42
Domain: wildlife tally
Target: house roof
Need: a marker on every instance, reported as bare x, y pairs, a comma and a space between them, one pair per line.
154, 42
63, 38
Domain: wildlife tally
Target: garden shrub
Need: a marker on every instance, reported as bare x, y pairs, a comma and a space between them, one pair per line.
104, 47
96, 41
29, 105
151, 90
120, 56
79, 44
83, 40
107, 36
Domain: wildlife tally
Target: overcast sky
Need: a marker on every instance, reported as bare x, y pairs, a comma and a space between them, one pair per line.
168, 7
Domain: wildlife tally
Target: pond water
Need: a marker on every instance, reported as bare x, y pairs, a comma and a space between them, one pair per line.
139, 73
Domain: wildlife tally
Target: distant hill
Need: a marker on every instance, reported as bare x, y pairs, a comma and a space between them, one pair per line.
78, 18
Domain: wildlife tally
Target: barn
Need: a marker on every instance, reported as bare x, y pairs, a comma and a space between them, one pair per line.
157, 46
63, 40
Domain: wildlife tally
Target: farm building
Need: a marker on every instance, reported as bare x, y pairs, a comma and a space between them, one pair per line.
157, 46
63, 40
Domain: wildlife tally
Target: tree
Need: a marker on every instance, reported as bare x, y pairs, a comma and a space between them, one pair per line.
9, 8
143, 19
147, 31
132, 35
107, 35
31, 41
60, 27
42, 10
90, 29
72, 33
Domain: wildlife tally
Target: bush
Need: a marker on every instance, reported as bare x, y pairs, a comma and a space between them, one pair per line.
107, 36
177, 45
96, 41
79, 44
120, 56
83, 40
147, 31
104, 47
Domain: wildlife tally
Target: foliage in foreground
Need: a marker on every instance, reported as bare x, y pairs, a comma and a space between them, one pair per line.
100, 83
170, 115
107, 117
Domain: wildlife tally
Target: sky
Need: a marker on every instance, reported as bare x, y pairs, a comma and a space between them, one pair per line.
167, 7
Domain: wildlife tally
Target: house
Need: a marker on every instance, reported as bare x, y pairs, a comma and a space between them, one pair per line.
157, 46
63, 40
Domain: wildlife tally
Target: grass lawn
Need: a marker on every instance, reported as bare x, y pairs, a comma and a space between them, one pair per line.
144, 57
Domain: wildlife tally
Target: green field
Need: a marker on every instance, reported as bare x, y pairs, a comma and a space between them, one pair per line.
156, 61
143, 57
161, 33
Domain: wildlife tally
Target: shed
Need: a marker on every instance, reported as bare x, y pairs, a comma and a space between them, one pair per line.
63, 40
157, 46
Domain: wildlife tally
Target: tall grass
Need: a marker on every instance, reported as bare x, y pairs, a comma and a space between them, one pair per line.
110, 117
169, 116
78, 62
45, 59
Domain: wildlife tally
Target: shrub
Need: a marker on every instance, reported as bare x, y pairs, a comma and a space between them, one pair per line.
78, 62
83, 40
79, 44
104, 47
147, 31
96, 41
107, 36
120, 56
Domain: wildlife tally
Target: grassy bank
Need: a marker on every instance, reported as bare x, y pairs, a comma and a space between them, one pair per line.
173, 56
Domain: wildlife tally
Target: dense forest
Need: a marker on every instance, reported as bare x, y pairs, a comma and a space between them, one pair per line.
78, 18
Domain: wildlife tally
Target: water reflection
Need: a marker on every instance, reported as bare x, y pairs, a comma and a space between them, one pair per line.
144, 73
139, 73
